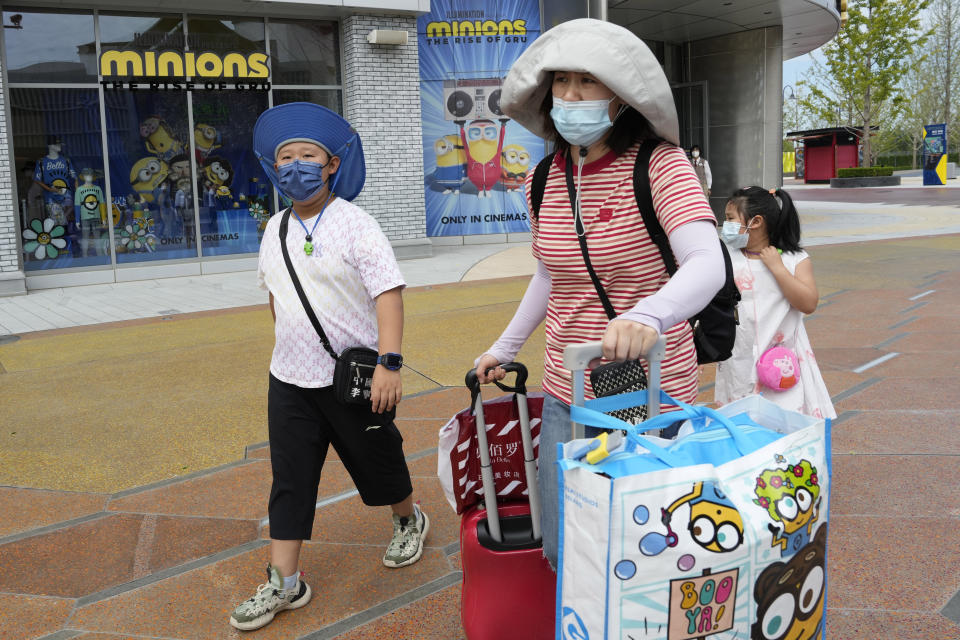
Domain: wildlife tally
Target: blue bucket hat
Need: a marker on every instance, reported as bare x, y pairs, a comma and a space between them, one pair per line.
308, 122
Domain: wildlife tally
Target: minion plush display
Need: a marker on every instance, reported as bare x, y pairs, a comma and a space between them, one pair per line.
483, 147
451, 164
206, 138
159, 139
515, 163
146, 175
216, 172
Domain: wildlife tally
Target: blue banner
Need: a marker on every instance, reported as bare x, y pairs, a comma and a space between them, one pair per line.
475, 159
935, 154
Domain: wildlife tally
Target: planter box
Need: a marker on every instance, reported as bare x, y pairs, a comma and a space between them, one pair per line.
871, 181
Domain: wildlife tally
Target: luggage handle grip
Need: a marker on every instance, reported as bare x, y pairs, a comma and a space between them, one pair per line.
577, 357
519, 386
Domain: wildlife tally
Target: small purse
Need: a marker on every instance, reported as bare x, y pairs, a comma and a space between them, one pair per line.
778, 368
614, 378
354, 367
353, 375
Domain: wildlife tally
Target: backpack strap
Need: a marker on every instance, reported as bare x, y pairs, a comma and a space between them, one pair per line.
644, 198
539, 184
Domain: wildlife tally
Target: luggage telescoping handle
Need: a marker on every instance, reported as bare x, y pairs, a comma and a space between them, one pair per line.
577, 358
529, 462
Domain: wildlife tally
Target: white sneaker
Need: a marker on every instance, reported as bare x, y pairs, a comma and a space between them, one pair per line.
271, 598
406, 547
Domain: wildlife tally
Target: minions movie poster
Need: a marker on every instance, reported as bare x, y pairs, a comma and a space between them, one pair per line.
474, 158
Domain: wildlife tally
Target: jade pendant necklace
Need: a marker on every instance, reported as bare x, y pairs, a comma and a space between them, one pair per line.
308, 243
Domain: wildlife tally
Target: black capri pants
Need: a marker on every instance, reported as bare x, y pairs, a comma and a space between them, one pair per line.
303, 423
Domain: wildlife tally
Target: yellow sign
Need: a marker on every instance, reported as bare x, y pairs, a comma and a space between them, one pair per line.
178, 64
476, 28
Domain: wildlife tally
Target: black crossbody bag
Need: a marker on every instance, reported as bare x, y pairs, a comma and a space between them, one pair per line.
613, 378
353, 372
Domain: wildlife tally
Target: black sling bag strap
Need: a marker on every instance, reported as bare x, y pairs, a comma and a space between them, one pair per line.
284, 222
582, 238
353, 369
539, 184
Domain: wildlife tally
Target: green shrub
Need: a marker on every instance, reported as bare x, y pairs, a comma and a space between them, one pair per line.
864, 172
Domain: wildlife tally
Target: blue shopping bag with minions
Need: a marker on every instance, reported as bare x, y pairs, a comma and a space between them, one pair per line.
720, 533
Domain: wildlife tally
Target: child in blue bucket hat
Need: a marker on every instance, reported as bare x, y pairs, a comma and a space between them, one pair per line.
350, 276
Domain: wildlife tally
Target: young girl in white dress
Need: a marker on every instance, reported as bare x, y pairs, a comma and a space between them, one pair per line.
775, 278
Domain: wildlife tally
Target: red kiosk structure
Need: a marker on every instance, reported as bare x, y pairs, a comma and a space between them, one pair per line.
826, 150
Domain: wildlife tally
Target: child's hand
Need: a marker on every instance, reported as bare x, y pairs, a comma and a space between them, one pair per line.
385, 390
770, 256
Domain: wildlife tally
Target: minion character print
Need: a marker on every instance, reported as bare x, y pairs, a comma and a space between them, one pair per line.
146, 175
483, 145
714, 522
515, 163
791, 496
451, 164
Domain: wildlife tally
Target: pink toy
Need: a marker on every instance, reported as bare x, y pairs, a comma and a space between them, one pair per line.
778, 368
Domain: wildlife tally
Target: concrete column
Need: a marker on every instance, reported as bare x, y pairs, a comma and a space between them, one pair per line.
744, 74
381, 86
12, 280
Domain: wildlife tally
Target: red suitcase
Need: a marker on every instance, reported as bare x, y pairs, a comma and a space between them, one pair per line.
509, 589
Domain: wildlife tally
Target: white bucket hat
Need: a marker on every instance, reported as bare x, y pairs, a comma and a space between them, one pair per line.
614, 55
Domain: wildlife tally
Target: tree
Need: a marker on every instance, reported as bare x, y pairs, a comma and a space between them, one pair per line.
944, 58
859, 81
922, 107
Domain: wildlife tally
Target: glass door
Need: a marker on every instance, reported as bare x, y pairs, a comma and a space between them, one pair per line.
691, 101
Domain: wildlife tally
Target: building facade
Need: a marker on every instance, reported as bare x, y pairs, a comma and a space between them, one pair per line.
125, 135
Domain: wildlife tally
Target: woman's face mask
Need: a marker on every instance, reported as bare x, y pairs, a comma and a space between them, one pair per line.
300, 180
583, 122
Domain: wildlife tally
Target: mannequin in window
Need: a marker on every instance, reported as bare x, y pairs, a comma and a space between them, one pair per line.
31, 195
58, 179
91, 205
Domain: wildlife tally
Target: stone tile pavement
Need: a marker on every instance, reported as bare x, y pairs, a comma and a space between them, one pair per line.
134, 470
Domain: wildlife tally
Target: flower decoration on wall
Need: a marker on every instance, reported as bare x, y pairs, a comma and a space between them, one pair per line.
44, 239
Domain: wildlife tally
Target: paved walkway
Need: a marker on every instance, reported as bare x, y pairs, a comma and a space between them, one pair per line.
134, 470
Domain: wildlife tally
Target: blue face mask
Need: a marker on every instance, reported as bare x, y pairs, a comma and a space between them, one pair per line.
300, 180
731, 236
583, 122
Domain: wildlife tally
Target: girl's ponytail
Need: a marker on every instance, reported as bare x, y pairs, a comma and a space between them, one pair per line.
785, 232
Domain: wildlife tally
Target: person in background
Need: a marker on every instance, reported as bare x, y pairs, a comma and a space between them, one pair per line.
702, 167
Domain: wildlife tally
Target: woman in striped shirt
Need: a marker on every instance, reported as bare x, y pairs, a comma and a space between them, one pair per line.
597, 92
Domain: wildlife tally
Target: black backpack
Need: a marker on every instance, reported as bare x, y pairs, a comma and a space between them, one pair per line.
715, 326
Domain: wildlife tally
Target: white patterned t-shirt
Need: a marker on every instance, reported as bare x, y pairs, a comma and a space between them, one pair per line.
352, 263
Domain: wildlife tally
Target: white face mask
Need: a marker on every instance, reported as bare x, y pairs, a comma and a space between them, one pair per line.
581, 122
695, 154
731, 236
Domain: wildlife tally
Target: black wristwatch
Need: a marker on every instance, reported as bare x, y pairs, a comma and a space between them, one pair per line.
392, 361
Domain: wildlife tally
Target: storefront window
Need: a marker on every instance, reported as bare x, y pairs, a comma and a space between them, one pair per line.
305, 52
151, 182
57, 151
235, 195
141, 33
330, 98
173, 175
50, 47
224, 35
